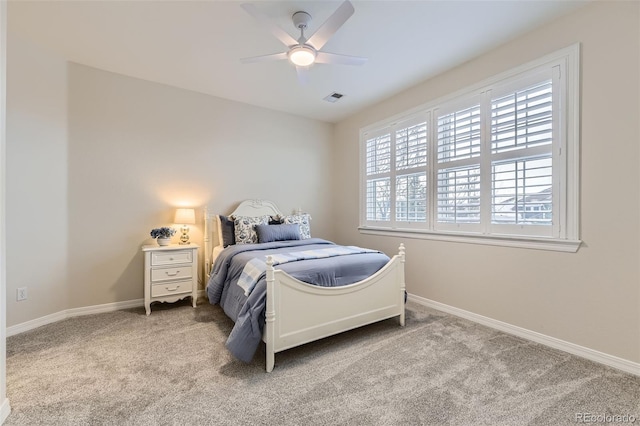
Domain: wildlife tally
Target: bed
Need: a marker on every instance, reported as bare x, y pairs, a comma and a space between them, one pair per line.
288, 292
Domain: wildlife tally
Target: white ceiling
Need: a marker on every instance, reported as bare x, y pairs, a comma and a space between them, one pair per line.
197, 45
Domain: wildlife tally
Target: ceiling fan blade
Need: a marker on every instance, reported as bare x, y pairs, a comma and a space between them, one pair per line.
332, 58
331, 25
303, 74
264, 20
264, 58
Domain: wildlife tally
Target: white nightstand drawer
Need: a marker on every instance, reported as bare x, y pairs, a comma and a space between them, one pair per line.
170, 274
171, 257
168, 289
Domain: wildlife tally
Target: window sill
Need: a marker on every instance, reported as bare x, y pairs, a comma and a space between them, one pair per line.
550, 244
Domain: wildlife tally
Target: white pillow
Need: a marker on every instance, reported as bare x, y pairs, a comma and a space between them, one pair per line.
303, 220
245, 228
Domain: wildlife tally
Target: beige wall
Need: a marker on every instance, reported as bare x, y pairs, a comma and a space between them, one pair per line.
5, 407
37, 231
98, 159
590, 298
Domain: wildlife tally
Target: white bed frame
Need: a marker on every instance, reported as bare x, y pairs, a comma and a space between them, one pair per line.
299, 313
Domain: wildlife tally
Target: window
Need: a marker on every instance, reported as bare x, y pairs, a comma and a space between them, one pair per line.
396, 174
492, 164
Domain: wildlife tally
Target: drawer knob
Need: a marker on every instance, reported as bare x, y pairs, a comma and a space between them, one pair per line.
174, 274
171, 258
173, 289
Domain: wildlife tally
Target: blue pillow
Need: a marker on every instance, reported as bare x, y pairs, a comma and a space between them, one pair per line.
269, 233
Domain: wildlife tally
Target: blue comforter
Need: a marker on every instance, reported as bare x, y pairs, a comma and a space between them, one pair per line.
248, 312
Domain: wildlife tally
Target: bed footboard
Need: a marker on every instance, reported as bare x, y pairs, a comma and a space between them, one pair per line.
298, 313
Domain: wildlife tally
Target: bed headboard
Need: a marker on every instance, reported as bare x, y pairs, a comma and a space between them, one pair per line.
213, 234
255, 208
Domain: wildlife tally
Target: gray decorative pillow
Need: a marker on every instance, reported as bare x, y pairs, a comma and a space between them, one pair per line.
228, 231
301, 219
244, 227
269, 233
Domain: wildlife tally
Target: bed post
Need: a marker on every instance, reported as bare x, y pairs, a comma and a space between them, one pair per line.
270, 315
207, 251
402, 284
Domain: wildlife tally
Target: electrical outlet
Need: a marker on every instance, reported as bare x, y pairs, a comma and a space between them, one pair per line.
22, 293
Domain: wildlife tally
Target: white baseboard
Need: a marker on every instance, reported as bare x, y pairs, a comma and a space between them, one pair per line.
74, 312
590, 354
572, 348
5, 410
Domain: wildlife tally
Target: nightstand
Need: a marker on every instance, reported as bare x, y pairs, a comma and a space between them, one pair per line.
170, 273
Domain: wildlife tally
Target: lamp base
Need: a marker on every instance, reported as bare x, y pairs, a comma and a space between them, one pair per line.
184, 238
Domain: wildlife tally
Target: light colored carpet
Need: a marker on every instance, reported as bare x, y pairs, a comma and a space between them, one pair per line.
171, 368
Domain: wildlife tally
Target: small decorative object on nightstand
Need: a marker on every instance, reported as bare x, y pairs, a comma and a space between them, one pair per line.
163, 235
185, 217
170, 274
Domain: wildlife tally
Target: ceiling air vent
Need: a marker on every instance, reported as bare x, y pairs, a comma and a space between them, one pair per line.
334, 97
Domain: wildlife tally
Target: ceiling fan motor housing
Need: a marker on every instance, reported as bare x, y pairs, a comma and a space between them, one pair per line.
301, 19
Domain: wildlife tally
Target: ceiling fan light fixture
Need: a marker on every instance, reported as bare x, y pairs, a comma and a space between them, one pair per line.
302, 56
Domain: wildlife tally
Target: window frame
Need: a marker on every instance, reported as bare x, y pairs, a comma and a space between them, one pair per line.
565, 155
394, 173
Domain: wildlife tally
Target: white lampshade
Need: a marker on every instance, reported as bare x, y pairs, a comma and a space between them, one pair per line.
185, 216
302, 56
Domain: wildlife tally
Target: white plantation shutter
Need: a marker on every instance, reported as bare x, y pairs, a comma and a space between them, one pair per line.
459, 134
522, 192
488, 164
379, 199
378, 181
459, 195
411, 172
396, 173
411, 197
379, 155
411, 146
522, 119
522, 133
458, 167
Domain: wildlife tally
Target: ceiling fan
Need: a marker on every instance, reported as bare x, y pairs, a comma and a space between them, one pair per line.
304, 51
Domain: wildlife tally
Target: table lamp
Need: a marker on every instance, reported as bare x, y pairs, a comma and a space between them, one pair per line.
185, 217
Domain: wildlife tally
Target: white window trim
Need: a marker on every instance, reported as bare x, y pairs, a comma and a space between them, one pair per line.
569, 185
